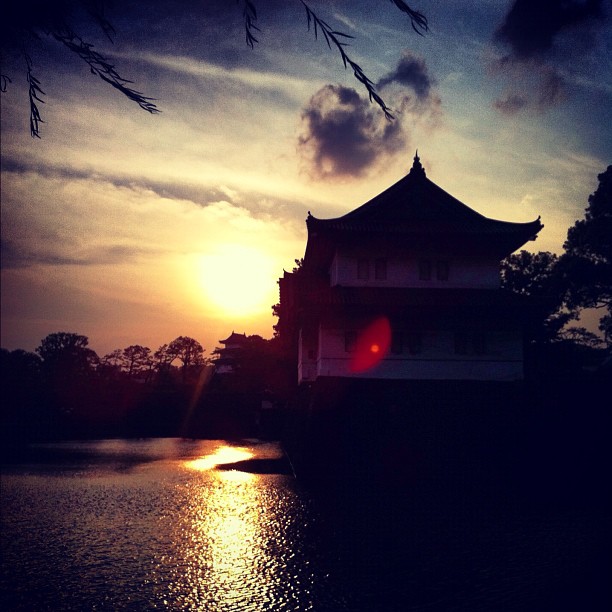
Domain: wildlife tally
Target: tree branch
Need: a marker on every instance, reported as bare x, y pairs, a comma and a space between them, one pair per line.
417, 20
101, 67
34, 93
332, 37
250, 17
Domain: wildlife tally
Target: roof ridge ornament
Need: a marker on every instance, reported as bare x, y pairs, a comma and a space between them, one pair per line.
417, 169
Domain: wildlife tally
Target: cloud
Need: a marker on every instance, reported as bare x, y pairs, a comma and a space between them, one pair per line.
411, 91
56, 219
544, 40
552, 90
531, 27
534, 96
345, 136
257, 79
259, 205
511, 104
411, 72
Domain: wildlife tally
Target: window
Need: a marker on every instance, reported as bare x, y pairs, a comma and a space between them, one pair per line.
414, 341
350, 337
442, 270
479, 343
397, 343
474, 344
363, 269
425, 269
380, 269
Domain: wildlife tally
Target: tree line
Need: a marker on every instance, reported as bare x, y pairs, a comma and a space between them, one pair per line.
557, 288
65, 390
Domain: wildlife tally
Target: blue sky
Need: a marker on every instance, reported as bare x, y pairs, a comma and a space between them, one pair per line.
133, 228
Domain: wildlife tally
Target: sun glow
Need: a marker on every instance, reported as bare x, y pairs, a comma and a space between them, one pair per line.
238, 280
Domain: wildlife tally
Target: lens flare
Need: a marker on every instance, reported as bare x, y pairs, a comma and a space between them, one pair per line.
372, 346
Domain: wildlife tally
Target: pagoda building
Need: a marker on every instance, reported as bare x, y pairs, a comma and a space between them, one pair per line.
406, 287
228, 357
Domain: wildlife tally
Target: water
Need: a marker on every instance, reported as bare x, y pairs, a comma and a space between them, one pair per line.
191, 525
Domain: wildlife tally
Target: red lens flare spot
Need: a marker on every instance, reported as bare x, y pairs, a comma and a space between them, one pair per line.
371, 346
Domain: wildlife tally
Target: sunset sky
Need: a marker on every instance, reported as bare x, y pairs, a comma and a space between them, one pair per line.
132, 228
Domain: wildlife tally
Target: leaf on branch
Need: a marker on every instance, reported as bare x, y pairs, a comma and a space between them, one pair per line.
34, 93
336, 33
250, 17
96, 10
4, 81
418, 20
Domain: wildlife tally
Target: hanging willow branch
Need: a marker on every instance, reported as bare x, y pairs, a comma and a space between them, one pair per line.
332, 37
101, 67
34, 93
417, 20
250, 17
54, 25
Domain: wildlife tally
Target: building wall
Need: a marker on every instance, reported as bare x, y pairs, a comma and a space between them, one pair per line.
436, 358
307, 355
355, 269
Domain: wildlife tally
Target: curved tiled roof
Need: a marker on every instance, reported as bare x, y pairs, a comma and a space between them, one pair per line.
416, 205
234, 338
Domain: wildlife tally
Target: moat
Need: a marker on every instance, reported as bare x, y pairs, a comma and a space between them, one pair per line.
179, 524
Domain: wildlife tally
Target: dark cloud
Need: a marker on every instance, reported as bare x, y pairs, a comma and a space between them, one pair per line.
531, 26
411, 71
259, 205
511, 104
548, 89
164, 189
552, 90
343, 135
27, 253
411, 91
544, 39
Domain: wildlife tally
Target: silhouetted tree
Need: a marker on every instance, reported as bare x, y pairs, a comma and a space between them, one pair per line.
580, 278
582, 336
189, 352
20, 364
136, 360
277, 308
109, 366
587, 262
22, 412
163, 359
69, 378
24, 22
537, 276
68, 353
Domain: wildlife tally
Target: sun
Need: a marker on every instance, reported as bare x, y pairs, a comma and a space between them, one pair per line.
238, 280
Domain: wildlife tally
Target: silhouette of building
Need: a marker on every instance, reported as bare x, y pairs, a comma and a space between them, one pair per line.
406, 287
228, 357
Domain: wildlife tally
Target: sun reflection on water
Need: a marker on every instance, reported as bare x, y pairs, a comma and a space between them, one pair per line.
223, 454
230, 540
